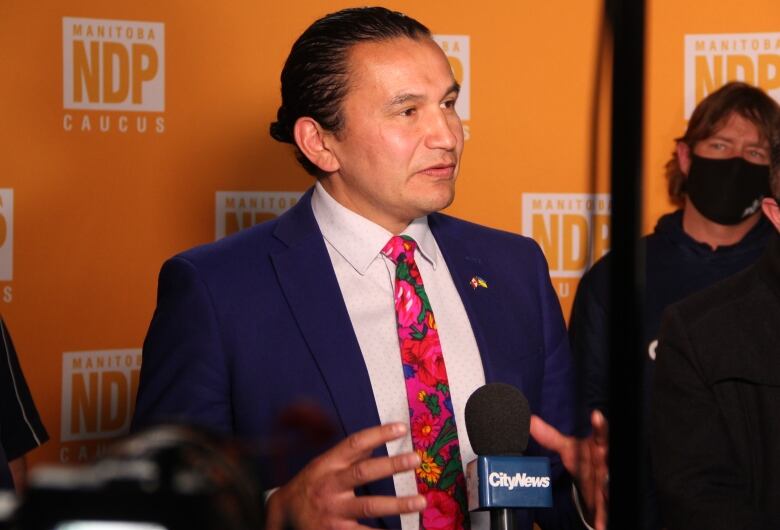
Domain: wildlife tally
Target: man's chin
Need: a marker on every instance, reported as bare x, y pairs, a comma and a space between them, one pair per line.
435, 203
446, 203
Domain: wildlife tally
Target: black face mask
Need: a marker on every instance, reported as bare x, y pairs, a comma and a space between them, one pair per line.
726, 191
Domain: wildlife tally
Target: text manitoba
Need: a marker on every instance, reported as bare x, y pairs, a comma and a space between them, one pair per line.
113, 32
738, 45
106, 360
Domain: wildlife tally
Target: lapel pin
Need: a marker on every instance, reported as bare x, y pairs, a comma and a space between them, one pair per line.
476, 281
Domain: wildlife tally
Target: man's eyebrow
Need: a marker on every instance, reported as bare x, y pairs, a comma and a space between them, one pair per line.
722, 138
761, 143
402, 99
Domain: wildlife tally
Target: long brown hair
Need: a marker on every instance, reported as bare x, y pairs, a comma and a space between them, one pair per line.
774, 164
710, 115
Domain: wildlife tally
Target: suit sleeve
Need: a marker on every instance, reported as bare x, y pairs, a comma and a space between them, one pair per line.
694, 463
184, 374
558, 402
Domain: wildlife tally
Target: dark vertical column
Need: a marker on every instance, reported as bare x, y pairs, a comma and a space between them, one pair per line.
627, 21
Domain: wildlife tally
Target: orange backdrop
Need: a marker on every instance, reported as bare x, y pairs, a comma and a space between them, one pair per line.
133, 130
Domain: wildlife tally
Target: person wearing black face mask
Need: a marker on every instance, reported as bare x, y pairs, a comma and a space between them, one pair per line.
717, 176
716, 409
727, 191
723, 176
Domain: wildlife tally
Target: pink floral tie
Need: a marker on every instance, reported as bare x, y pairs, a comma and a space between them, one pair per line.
434, 436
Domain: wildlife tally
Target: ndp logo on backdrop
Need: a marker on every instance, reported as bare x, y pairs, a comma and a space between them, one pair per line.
237, 210
6, 239
571, 228
457, 50
98, 393
116, 66
711, 60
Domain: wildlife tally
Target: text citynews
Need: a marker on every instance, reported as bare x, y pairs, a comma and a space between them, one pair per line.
502, 480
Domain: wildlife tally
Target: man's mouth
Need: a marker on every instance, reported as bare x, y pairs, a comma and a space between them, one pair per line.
445, 170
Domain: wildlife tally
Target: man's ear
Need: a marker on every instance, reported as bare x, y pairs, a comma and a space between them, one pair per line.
772, 211
311, 140
684, 157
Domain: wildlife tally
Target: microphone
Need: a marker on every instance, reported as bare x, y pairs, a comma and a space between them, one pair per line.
498, 421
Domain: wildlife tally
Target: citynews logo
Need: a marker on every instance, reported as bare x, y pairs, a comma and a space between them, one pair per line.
98, 393
237, 210
712, 60
113, 65
457, 50
518, 480
571, 228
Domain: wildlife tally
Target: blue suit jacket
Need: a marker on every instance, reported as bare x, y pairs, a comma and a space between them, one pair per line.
254, 322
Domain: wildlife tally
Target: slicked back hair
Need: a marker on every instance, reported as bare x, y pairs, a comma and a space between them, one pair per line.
315, 75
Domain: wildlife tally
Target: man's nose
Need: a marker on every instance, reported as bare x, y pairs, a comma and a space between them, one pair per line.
441, 132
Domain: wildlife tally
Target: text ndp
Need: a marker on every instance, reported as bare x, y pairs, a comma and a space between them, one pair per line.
712, 60
6, 234
113, 65
571, 228
236, 210
518, 480
98, 393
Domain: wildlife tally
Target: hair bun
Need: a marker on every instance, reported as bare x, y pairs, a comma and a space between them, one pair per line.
281, 129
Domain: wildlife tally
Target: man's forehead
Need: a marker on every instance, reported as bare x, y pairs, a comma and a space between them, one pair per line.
735, 126
391, 63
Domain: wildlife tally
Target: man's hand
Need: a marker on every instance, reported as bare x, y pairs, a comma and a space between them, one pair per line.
585, 459
322, 495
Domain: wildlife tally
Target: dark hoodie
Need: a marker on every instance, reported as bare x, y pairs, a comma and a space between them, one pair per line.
675, 267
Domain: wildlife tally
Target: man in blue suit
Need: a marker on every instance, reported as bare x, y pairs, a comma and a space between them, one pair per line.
300, 309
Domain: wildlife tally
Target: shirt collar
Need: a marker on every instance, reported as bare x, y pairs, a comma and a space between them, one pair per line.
358, 240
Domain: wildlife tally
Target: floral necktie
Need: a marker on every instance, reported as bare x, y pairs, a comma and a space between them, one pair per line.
434, 436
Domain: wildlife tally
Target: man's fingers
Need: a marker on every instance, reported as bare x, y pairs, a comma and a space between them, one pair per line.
548, 436
600, 427
600, 521
600, 450
585, 459
359, 445
371, 469
379, 506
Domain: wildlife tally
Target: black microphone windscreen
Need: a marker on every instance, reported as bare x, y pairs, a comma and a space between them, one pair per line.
498, 420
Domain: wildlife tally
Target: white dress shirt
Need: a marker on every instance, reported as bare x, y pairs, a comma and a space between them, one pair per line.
366, 278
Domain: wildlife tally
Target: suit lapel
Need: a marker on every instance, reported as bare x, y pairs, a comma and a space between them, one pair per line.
485, 307
306, 276
310, 286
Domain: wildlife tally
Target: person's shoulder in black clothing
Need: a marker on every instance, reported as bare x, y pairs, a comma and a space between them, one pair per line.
21, 429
